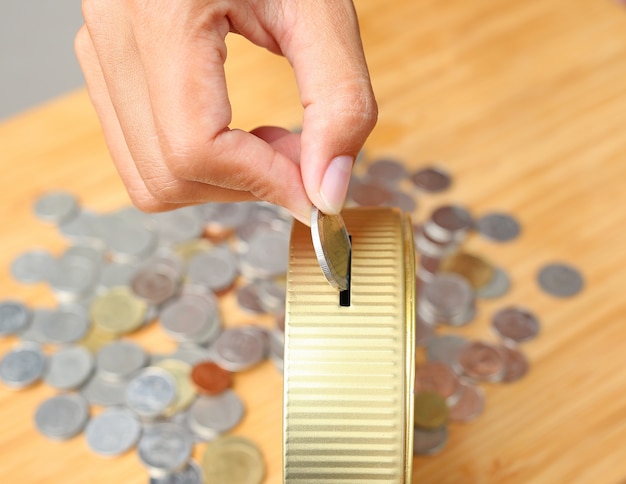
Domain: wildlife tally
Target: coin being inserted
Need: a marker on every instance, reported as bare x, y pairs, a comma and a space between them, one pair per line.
332, 247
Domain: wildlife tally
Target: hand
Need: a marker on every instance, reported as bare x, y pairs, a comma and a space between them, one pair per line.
155, 74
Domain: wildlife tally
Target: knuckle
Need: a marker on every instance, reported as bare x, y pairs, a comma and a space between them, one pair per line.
164, 191
358, 107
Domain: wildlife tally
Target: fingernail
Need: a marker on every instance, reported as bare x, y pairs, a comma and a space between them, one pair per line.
335, 184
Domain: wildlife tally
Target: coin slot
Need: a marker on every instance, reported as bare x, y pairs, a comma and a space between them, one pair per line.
344, 296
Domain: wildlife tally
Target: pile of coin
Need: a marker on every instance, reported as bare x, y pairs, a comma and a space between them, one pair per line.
123, 271
450, 281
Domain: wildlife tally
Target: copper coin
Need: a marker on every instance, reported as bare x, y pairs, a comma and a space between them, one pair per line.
482, 361
211, 378
470, 404
368, 194
515, 324
431, 179
437, 377
516, 364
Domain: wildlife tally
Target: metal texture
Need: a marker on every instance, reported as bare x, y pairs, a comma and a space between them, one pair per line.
349, 370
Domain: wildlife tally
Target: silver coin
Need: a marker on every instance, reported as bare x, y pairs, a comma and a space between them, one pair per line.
68, 324
403, 201
272, 295
449, 223
498, 286
63, 416
81, 228
499, 227
431, 179
75, 277
35, 331
445, 298
429, 247
248, 299
267, 254
560, 280
120, 360
150, 393
15, 317
33, 266
429, 442
216, 269
191, 474
191, 318
129, 237
225, 215
209, 416
387, 170
113, 432
69, 367
332, 247
191, 353
369, 193
116, 274
164, 448
155, 283
515, 324
237, 349
104, 393
96, 253
22, 366
178, 225
445, 348
56, 207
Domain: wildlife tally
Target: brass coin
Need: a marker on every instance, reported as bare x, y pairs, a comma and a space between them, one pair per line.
475, 269
185, 389
431, 410
233, 459
332, 247
118, 311
96, 338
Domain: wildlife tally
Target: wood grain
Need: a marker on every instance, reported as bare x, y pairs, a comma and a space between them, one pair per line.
525, 104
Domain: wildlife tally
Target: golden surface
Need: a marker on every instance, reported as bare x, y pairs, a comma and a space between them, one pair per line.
525, 104
348, 369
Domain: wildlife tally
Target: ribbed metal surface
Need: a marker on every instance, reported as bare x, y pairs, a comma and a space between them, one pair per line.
347, 374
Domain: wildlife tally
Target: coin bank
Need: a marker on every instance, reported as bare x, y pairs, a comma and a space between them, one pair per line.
350, 356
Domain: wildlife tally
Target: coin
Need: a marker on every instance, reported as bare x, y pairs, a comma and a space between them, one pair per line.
56, 207
482, 361
62, 417
185, 388
446, 298
470, 404
403, 201
210, 378
75, 277
68, 324
445, 348
179, 225
119, 360
431, 179
233, 459
369, 193
476, 270
23, 365
237, 349
113, 432
192, 473
69, 367
33, 266
387, 170
155, 283
248, 299
560, 280
192, 317
499, 227
437, 377
164, 448
431, 410
118, 311
498, 286
449, 223
429, 441
516, 364
266, 254
209, 416
104, 393
15, 317
151, 392
332, 247
515, 324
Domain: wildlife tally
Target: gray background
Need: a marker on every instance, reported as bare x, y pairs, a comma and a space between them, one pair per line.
37, 60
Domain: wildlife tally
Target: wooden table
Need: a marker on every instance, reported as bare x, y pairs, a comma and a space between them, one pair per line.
525, 104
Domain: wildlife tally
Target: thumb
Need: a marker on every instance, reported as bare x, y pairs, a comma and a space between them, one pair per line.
339, 106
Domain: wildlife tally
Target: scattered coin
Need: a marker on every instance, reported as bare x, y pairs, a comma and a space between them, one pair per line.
369, 193
449, 223
515, 324
516, 364
431, 410
118, 311
217, 269
445, 348
185, 388
429, 441
560, 280
469, 405
437, 377
69, 367
68, 324
63, 416
33, 266
210, 378
475, 269
209, 416
113, 432
499, 227
22, 366
15, 317
482, 361
164, 448
431, 179
191, 474
387, 170
237, 349
105, 393
151, 392
56, 207
498, 286
233, 459
119, 360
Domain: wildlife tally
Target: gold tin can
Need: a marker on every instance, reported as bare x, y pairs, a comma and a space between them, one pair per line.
349, 369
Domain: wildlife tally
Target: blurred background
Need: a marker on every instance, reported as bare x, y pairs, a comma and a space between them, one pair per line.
37, 60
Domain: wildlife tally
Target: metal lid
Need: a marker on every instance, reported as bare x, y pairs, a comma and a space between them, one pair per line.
349, 370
